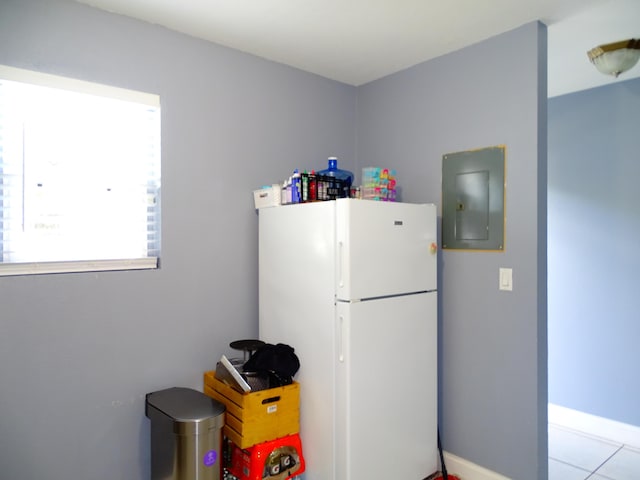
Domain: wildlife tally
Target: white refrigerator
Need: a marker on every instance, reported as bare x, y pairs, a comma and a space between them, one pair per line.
351, 286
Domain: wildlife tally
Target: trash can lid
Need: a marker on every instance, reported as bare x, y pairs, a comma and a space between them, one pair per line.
185, 404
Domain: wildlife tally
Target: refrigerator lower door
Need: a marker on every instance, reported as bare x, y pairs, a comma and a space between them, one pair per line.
387, 388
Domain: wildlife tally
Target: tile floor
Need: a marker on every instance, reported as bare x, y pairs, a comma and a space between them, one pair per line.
577, 456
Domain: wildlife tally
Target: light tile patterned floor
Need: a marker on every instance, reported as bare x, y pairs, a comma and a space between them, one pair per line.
577, 456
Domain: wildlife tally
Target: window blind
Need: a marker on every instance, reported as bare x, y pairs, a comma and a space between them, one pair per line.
79, 175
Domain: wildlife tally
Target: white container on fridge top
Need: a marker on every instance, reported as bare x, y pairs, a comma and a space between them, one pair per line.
351, 285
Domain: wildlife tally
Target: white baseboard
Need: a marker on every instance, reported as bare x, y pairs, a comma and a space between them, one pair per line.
594, 425
466, 470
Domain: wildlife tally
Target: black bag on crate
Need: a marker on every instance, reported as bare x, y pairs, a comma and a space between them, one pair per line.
274, 365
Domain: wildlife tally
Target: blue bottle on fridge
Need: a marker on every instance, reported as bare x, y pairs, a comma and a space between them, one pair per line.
296, 187
333, 182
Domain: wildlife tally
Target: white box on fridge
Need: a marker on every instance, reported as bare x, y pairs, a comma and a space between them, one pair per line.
352, 286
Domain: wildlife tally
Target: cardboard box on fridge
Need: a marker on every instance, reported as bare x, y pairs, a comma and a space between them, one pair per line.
267, 196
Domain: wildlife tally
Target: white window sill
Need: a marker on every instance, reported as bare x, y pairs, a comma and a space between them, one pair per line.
37, 268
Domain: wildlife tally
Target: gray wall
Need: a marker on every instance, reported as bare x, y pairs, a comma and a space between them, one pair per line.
493, 343
594, 226
78, 352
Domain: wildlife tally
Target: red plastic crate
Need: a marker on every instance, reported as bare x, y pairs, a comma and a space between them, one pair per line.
278, 459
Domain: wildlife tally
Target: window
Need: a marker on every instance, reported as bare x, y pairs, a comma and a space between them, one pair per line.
79, 175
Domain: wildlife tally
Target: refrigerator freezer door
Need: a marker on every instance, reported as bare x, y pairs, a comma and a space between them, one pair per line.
384, 248
387, 388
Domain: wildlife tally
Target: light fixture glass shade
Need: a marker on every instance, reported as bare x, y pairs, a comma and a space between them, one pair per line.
615, 58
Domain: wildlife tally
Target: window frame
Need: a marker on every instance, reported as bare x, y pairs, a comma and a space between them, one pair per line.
152, 261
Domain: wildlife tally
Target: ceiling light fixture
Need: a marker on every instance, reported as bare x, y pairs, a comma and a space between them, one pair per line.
615, 58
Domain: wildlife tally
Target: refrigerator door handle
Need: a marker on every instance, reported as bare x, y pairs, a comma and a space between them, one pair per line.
340, 253
340, 342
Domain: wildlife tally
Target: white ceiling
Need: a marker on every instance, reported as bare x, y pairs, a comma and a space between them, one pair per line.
357, 41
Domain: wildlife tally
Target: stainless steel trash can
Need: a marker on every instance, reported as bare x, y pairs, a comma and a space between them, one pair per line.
186, 435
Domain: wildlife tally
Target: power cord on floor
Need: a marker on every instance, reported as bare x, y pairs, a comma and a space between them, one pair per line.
441, 475
445, 476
